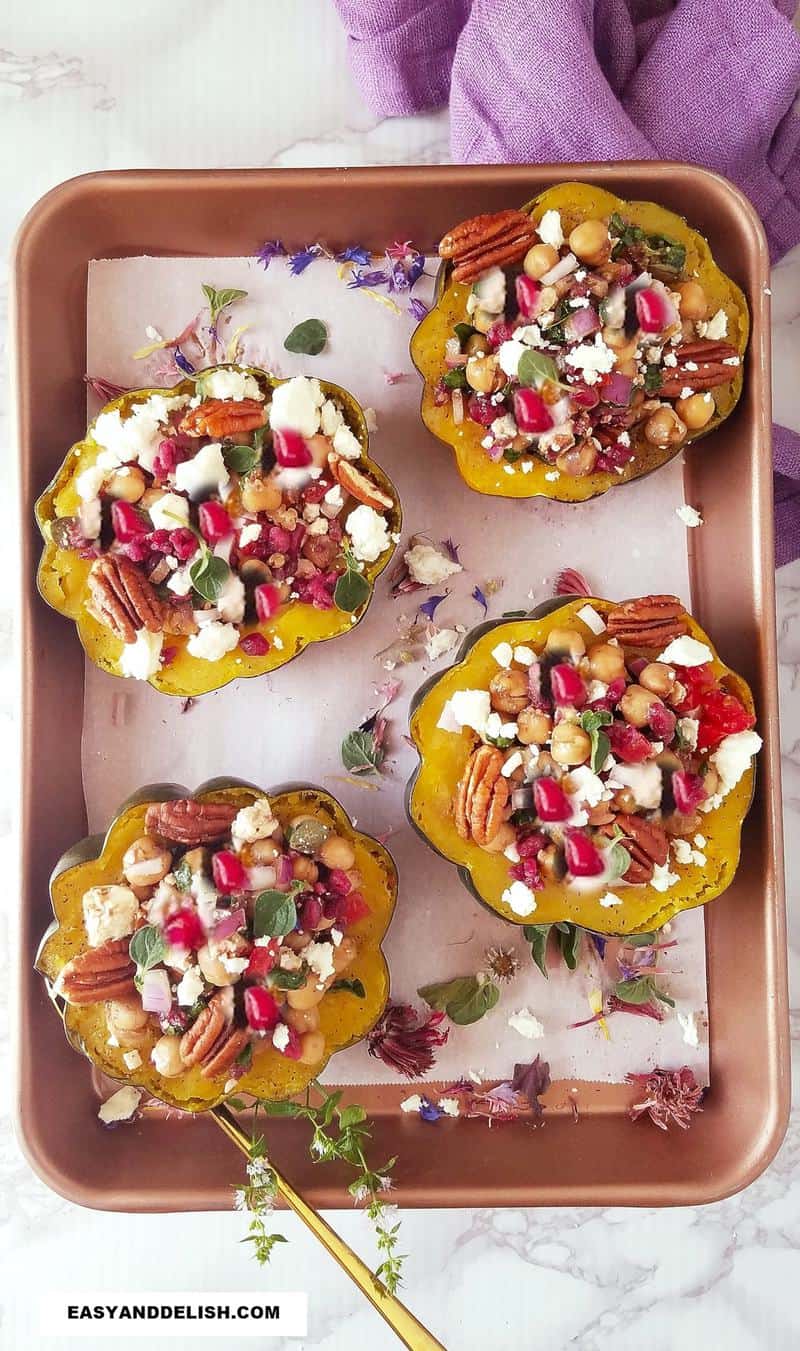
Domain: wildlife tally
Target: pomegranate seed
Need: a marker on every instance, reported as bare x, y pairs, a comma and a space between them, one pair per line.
263, 959
168, 655
688, 791
584, 396
268, 600
254, 645
261, 1009
280, 540
184, 930
339, 882
636, 665
654, 311
567, 686
527, 871
182, 543
215, 523
531, 411
350, 909
627, 743
662, 722
291, 450
550, 800
583, 858
528, 292
531, 845
720, 715
228, 871
499, 333
127, 523
481, 409
293, 1047
536, 695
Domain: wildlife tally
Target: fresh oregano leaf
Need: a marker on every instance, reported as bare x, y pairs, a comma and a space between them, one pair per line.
241, 459
352, 1115
308, 338
360, 754
463, 332
351, 591
641, 940
536, 367
569, 941
592, 720
456, 378
288, 980
537, 935
618, 861
353, 986
220, 300
465, 999
641, 990
208, 575
147, 947
280, 1108
275, 915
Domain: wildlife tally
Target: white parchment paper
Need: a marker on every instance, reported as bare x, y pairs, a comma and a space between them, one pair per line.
290, 725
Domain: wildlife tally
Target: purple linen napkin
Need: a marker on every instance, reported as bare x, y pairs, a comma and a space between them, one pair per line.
712, 82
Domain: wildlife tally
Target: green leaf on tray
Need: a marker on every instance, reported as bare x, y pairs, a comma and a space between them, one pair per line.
465, 999
360, 754
351, 591
308, 338
220, 300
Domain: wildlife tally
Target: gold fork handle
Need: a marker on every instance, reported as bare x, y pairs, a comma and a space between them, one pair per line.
410, 1331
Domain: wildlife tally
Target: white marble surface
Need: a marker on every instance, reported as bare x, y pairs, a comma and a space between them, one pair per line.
92, 86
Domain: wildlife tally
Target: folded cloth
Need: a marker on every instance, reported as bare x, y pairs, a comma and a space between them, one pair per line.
711, 82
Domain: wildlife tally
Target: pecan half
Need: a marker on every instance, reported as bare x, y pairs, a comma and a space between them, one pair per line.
481, 800
224, 417
122, 598
358, 484
491, 240
647, 621
646, 842
100, 973
212, 1042
178, 617
701, 366
187, 821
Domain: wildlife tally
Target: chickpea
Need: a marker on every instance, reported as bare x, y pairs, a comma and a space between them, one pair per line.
533, 727
482, 374
696, 410
475, 346
344, 955
166, 1056
212, 968
197, 860
262, 852
505, 836
146, 862
552, 863
259, 493
297, 941
126, 485
254, 571
337, 852
692, 303
658, 677
483, 320
677, 825
305, 869
538, 260
303, 1020
589, 241
307, 996
320, 447
128, 1022
312, 1048
624, 801
635, 705
570, 745
579, 460
606, 662
509, 691
664, 428
711, 781
566, 640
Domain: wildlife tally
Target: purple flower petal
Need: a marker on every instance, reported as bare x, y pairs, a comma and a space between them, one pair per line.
298, 262
451, 550
429, 1111
354, 253
415, 270
417, 309
478, 595
430, 606
272, 248
377, 277
182, 363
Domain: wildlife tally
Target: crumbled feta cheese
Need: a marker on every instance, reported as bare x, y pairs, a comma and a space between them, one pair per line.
549, 229
168, 512
336, 936
140, 660
255, 822
280, 1036
190, 987
331, 418
662, 878
449, 1106
121, 1106
371, 419
687, 730
346, 443
428, 565
508, 356
682, 852
161, 1056
686, 651
700, 841
670, 359
368, 533
231, 599
553, 475
290, 961
519, 898
137, 436
714, 328
610, 899
689, 515
466, 708
132, 1060
213, 641
527, 466
594, 621
203, 475
108, 912
504, 428
234, 965
440, 642
524, 656
90, 482
732, 758
596, 689
530, 334
591, 359
511, 852
490, 290
320, 526
686, 392
206, 897
527, 1024
333, 501
90, 518
411, 1104
691, 1032
180, 583
503, 654
296, 405
513, 762
320, 958
587, 787
227, 384
645, 782
249, 534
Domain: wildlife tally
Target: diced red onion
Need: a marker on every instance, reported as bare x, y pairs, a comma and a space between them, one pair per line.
617, 388
227, 926
283, 869
559, 270
582, 322
261, 878
458, 407
460, 359
156, 992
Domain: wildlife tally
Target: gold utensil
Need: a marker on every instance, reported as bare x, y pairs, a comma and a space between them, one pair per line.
408, 1328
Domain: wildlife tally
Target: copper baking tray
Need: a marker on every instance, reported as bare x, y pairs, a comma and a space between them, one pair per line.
160, 1164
